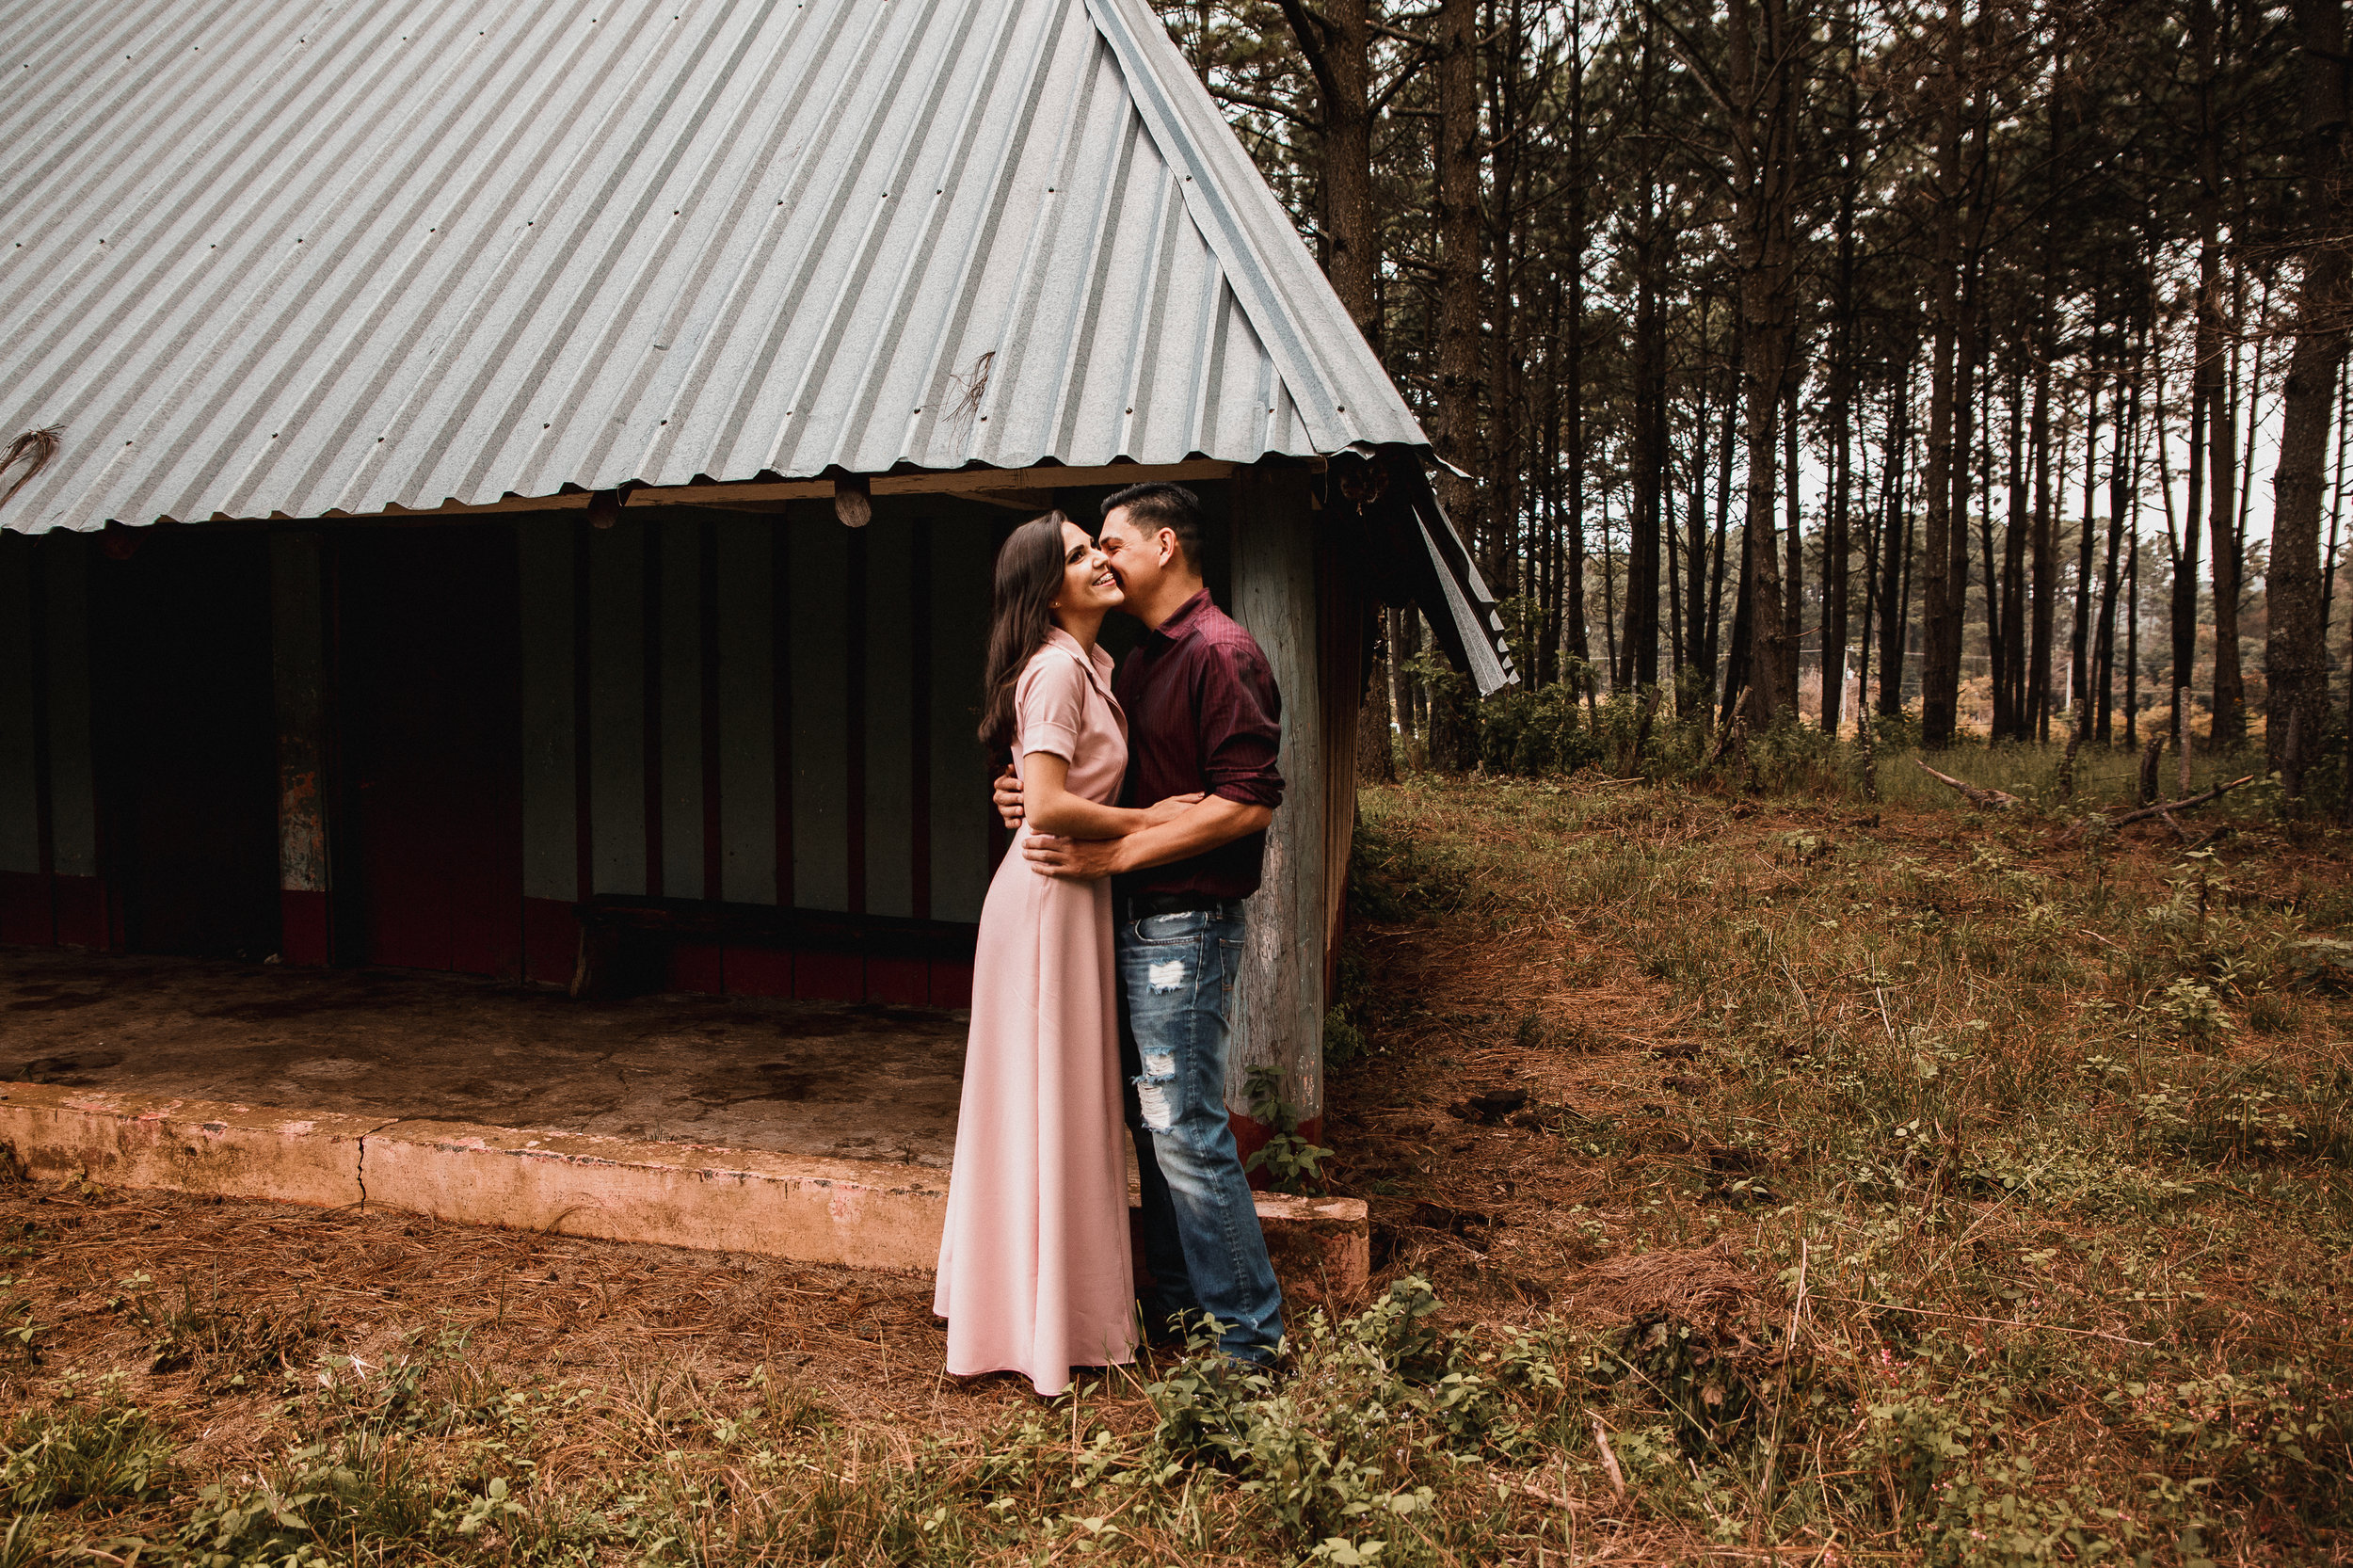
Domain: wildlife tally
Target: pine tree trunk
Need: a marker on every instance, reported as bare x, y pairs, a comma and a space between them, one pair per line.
1762, 36
1376, 745
1793, 541
2037, 715
1944, 590
1503, 551
1837, 542
2295, 660
1337, 44
1896, 548
2104, 658
2225, 531
2079, 646
1457, 433
2010, 722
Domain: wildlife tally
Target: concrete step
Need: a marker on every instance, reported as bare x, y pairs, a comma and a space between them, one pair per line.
872, 1215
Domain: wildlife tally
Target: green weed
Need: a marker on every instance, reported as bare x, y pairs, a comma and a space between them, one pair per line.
105, 1454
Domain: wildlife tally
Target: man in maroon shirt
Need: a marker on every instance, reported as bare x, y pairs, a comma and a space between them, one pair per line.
1204, 718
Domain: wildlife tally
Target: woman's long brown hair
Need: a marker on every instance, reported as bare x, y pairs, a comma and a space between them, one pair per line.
1029, 576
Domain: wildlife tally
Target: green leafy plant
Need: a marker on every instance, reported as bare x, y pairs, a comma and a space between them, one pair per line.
1290, 1162
106, 1454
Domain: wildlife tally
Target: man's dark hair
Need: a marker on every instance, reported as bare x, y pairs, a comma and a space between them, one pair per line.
1160, 505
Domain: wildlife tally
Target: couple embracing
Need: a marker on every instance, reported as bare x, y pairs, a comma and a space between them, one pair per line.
1109, 948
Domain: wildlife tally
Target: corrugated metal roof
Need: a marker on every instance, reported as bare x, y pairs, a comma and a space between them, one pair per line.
288, 257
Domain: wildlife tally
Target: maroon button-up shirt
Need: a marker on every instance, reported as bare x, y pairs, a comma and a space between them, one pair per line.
1202, 715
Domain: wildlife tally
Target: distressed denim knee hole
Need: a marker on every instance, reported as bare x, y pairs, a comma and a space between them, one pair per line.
1153, 1087
1152, 1101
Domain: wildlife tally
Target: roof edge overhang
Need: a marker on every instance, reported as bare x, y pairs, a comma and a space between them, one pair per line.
1000, 485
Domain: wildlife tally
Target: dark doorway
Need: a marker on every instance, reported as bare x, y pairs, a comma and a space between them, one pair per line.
429, 675
187, 740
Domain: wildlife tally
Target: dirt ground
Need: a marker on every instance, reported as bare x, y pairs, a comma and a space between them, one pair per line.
2060, 1132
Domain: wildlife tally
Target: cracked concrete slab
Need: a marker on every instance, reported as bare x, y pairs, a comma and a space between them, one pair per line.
861, 1082
807, 1130
130, 1140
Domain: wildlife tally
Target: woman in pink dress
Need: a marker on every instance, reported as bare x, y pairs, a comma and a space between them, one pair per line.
1033, 1267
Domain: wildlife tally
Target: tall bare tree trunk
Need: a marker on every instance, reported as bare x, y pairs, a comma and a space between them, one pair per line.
1459, 298
2078, 666
1572, 413
1336, 42
1639, 651
2119, 502
1714, 649
2226, 529
1765, 42
1503, 411
1944, 564
1895, 544
2037, 723
2295, 660
1793, 536
1837, 540
2010, 702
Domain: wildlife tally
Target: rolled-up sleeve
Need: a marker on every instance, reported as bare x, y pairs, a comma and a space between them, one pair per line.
1241, 724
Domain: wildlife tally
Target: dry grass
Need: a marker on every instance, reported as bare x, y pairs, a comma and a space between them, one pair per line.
1801, 1182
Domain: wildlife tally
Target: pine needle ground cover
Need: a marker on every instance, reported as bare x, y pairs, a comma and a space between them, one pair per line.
1758, 1181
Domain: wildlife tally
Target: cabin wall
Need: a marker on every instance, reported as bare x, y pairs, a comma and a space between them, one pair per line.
681, 739
756, 708
50, 887
761, 709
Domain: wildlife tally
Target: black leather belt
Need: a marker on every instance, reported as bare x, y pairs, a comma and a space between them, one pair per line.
1143, 907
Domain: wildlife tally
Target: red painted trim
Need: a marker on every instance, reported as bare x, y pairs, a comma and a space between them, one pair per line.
758, 972
551, 941
780, 668
583, 768
899, 982
305, 933
854, 648
700, 967
651, 654
82, 910
828, 977
713, 856
920, 687
950, 984
25, 917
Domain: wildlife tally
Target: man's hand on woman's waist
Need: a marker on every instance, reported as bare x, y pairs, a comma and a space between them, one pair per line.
1213, 821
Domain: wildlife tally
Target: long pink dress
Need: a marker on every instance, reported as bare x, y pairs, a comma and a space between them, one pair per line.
1035, 1275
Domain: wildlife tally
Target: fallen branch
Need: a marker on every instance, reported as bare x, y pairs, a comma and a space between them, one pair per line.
1531, 1489
2165, 810
1608, 1459
1990, 800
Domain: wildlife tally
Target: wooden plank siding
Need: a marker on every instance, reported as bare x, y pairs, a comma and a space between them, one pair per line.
752, 708
51, 889
822, 759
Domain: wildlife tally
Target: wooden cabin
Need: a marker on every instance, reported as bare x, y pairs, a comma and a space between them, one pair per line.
524, 478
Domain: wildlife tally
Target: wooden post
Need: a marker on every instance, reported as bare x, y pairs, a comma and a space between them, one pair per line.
1278, 1004
298, 657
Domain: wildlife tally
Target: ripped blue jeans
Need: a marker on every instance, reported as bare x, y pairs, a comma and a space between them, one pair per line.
1201, 1237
